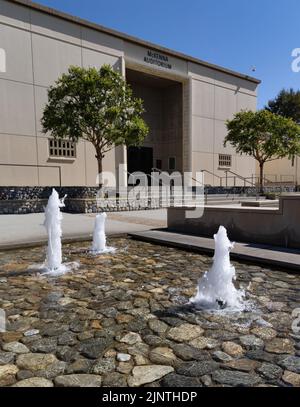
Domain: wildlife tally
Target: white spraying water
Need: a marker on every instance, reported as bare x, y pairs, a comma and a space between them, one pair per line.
99, 237
216, 289
52, 223
53, 264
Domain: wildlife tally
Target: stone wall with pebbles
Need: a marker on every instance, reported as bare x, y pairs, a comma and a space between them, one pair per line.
122, 320
21, 200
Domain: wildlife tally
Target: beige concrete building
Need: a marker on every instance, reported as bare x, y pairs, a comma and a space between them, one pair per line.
282, 172
187, 101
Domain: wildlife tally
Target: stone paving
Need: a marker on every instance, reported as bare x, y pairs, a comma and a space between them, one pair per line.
122, 320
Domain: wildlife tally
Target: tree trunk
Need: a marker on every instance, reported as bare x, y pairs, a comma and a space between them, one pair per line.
100, 169
261, 177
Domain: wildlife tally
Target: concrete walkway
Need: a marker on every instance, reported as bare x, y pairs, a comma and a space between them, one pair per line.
261, 254
27, 230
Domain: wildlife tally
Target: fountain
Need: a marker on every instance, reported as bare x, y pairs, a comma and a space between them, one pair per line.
53, 264
99, 238
216, 289
52, 223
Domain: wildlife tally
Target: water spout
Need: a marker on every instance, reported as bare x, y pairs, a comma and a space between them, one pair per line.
52, 223
99, 238
216, 289
53, 264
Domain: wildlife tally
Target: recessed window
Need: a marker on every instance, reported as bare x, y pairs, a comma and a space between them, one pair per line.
224, 160
172, 163
62, 148
159, 164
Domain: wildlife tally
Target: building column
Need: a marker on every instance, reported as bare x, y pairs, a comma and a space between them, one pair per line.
187, 139
121, 151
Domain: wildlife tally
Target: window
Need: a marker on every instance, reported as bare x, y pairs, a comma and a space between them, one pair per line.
172, 163
159, 164
62, 148
224, 160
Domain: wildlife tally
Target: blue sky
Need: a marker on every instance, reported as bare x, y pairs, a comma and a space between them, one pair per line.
236, 34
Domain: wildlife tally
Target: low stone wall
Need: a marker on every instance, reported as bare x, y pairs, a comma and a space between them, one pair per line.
107, 205
22, 206
16, 200
280, 227
31, 193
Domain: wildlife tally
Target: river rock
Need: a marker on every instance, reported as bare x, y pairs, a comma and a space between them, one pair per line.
264, 333
204, 343
176, 380
31, 332
123, 357
220, 356
131, 338
185, 332
291, 378
232, 349
251, 342
162, 355
148, 374
114, 379
104, 365
94, 348
235, 378
34, 382
45, 345
6, 358
35, 361
244, 365
197, 369
280, 345
78, 380
270, 371
291, 363
158, 326
186, 352
7, 375
15, 347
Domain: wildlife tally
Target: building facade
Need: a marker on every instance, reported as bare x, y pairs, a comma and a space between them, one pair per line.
187, 102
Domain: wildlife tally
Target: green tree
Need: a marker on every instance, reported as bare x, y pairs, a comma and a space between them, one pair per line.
286, 104
97, 106
264, 136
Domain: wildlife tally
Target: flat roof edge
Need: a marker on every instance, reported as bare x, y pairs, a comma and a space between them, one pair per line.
132, 39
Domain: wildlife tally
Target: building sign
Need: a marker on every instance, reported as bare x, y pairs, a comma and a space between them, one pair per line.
2, 60
155, 58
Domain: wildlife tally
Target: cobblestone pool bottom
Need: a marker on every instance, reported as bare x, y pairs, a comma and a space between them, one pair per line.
122, 320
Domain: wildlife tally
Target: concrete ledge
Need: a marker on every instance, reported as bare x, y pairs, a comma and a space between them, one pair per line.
262, 203
272, 226
277, 257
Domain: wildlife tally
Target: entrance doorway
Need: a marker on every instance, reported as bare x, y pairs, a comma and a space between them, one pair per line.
140, 159
163, 103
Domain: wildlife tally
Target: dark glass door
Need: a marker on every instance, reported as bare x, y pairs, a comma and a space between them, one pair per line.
140, 159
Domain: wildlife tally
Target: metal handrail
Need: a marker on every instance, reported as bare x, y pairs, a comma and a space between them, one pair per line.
215, 175
239, 176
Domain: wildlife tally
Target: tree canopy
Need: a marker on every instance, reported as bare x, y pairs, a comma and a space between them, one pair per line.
264, 136
97, 106
286, 104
